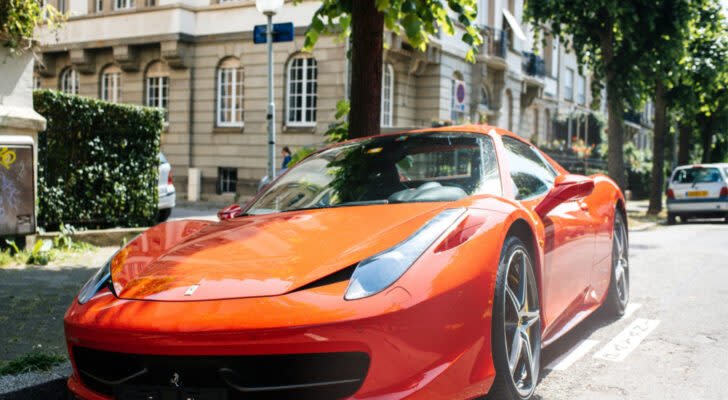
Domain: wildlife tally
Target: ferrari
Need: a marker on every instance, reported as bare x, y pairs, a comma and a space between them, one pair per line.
432, 264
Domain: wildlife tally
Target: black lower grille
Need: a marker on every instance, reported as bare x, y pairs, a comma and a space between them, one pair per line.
317, 376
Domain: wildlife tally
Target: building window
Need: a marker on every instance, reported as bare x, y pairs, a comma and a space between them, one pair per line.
62, 6
227, 179
36, 81
69, 81
581, 89
387, 94
99, 5
123, 4
302, 91
569, 84
111, 84
230, 93
158, 87
483, 97
554, 57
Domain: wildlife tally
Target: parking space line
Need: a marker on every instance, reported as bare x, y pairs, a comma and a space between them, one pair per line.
619, 348
631, 308
578, 351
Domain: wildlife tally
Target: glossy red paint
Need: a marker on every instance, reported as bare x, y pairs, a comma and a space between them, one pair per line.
428, 334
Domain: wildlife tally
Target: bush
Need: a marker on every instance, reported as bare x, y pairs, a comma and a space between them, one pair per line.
97, 162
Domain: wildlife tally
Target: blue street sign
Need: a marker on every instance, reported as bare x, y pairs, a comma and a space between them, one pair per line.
281, 33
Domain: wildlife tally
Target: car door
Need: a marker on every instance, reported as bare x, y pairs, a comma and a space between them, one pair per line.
569, 240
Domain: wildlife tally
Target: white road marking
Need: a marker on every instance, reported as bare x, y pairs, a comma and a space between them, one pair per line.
577, 352
627, 340
631, 308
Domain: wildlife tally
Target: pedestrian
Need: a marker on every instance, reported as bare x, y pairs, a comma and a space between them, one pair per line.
286, 152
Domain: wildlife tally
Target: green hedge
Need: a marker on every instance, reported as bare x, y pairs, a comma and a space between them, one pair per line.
97, 162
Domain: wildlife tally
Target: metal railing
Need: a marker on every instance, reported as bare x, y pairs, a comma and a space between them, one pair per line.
533, 65
495, 42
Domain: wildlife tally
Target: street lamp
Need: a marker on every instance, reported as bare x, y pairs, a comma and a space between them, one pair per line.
269, 8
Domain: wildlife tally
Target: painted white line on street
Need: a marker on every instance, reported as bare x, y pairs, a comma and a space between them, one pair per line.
627, 340
577, 352
631, 308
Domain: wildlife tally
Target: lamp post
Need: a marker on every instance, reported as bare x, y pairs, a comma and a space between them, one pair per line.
269, 8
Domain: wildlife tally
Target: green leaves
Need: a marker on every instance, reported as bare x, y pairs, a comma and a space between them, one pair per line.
419, 19
98, 162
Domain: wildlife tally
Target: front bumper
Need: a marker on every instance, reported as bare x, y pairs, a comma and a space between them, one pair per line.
437, 348
698, 206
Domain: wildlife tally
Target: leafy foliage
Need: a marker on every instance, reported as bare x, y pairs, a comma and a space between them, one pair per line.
19, 18
98, 162
417, 18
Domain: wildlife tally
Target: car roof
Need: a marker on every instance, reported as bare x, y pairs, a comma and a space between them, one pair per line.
707, 165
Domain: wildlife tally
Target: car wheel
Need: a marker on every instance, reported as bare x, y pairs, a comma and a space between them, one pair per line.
670, 219
516, 325
163, 214
618, 295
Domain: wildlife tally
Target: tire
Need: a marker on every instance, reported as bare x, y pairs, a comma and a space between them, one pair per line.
516, 314
163, 214
618, 295
670, 219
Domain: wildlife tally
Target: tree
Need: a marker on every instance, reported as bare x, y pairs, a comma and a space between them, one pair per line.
700, 96
602, 34
364, 22
662, 44
18, 19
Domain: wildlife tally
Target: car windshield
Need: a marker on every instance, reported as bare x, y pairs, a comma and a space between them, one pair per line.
417, 167
698, 175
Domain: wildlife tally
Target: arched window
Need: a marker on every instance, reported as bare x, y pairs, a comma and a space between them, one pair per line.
111, 84
69, 80
483, 97
387, 94
230, 93
302, 91
157, 93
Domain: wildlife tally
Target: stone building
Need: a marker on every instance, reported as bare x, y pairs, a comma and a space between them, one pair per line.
196, 58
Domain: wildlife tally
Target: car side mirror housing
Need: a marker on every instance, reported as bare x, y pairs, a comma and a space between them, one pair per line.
566, 188
229, 212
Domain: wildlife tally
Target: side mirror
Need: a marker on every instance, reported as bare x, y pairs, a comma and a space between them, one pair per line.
229, 212
566, 188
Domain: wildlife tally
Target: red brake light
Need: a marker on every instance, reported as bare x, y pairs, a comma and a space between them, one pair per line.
169, 179
670, 194
724, 191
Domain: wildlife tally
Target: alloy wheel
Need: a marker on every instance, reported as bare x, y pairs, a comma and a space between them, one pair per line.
521, 322
621, 263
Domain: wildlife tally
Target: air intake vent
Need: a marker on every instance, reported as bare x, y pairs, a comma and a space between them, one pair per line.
319, 376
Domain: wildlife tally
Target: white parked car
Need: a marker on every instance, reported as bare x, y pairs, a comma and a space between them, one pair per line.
698, 191
167, 194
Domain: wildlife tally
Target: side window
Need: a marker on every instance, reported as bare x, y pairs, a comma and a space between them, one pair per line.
490, 182
530, 173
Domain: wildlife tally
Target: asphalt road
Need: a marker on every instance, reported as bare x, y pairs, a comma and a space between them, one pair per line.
674, 342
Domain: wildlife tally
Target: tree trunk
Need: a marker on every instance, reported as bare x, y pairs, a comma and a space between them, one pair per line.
683, 155
658, 150
706, 136
366, 69
616, 110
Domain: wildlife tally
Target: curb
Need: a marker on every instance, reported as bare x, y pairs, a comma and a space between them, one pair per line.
100, 237
644, 227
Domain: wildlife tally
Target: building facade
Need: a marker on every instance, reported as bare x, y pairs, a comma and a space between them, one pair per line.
197, 59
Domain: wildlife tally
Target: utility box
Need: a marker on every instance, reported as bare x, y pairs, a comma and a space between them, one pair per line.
17, 186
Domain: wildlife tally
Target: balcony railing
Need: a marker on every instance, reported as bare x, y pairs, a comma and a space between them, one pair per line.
495, 42
533, 65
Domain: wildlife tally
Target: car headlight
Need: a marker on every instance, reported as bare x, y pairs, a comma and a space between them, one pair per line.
378, 272
100, 279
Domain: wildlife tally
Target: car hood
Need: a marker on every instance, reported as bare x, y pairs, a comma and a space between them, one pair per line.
254, 256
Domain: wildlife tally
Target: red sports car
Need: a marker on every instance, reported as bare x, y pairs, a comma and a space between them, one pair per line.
432, 264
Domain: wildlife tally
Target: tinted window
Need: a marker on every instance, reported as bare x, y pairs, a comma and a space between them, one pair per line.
437, 166
697, 175
530, 173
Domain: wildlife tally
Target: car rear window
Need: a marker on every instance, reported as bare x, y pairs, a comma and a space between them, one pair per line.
698, 175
